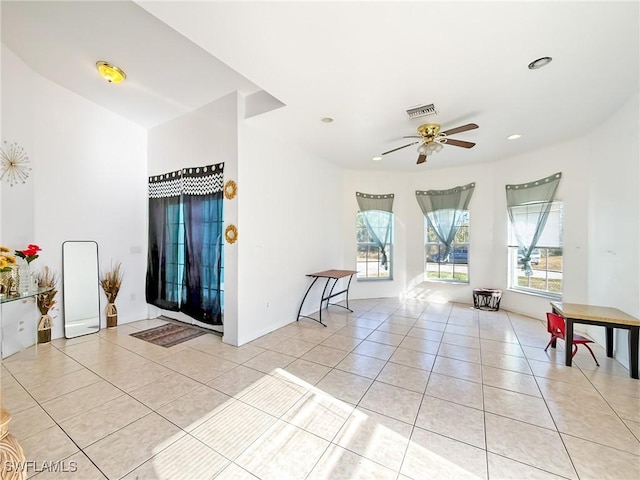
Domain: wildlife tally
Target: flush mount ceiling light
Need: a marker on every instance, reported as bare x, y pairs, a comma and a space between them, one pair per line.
326, 120
515, 136
539, 63
111, 73
376, 159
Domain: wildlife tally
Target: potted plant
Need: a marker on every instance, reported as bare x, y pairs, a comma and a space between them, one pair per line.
111, 282
45, 300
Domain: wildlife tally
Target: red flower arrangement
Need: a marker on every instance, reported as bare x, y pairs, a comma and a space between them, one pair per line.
30, 253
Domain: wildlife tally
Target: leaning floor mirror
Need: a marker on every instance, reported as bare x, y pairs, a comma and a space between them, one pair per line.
80, 288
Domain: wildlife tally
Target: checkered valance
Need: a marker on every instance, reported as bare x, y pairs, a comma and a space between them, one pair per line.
191, 181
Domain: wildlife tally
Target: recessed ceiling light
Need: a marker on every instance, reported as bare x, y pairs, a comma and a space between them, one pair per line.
515, 136
110, 73
539, 63
377, 159
327, 120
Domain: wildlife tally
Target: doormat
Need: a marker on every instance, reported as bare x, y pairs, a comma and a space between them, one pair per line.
168, 335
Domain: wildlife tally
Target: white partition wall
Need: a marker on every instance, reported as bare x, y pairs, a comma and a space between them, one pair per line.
88, 180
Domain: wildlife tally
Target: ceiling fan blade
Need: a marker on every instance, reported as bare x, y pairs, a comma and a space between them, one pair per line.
463, 128
400, 148
421, 159
459, 143
412, 136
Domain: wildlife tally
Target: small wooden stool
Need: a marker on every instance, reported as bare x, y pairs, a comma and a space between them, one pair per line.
487, 298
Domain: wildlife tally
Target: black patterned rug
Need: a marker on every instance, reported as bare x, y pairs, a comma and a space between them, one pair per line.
168, 335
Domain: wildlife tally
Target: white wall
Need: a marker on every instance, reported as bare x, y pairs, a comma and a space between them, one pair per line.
567, 157
613, 158
295, 212
599, 190
205, 136
88, 181
17, 126
289, 225
488, 225
287, 217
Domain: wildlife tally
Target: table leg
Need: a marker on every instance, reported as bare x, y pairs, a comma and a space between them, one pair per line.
305, 297
328, 297
322, 299
568, 342
634, 335
347, 297
609, 341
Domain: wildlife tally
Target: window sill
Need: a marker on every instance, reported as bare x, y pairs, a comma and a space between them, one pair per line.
547, 295
449, 282
381, 279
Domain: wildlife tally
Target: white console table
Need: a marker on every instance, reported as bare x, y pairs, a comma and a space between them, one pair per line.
11, 453
18, 322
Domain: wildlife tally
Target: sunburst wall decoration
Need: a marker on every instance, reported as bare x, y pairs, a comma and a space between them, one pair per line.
14, 163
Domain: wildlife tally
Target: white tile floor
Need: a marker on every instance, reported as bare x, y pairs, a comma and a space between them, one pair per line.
395, 390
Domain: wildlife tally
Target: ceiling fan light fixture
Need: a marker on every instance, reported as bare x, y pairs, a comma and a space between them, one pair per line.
539, 63
111, 73
430, 147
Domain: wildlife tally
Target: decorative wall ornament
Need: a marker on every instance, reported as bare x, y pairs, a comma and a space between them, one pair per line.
231, 234
230, 189
13, 163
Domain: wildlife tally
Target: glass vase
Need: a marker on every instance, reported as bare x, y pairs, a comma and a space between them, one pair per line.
25, 280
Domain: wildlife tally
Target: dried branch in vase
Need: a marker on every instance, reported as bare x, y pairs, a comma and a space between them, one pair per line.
111, 282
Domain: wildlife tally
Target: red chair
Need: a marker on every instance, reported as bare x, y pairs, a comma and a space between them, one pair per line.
556, 327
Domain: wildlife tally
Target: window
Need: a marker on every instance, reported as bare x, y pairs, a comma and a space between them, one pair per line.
374, 234
546, 257
455, 266
176, 255
174, 252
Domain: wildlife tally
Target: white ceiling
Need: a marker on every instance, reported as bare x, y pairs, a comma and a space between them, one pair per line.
361, 63
167, 74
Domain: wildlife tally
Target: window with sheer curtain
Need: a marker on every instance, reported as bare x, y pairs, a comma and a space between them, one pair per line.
374, 236
535, 236
446, 237
545, 258
455, 267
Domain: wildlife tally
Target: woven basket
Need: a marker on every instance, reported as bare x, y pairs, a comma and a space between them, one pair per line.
44, 336
112, 315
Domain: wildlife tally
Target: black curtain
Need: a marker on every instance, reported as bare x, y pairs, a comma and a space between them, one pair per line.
202, 200
163, 285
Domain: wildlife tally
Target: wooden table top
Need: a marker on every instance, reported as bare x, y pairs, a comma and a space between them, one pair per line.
333, 273
595, 313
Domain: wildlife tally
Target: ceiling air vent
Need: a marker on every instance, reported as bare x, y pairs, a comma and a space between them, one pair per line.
421, 111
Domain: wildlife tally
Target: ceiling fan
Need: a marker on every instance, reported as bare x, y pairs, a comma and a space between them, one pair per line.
432, 139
